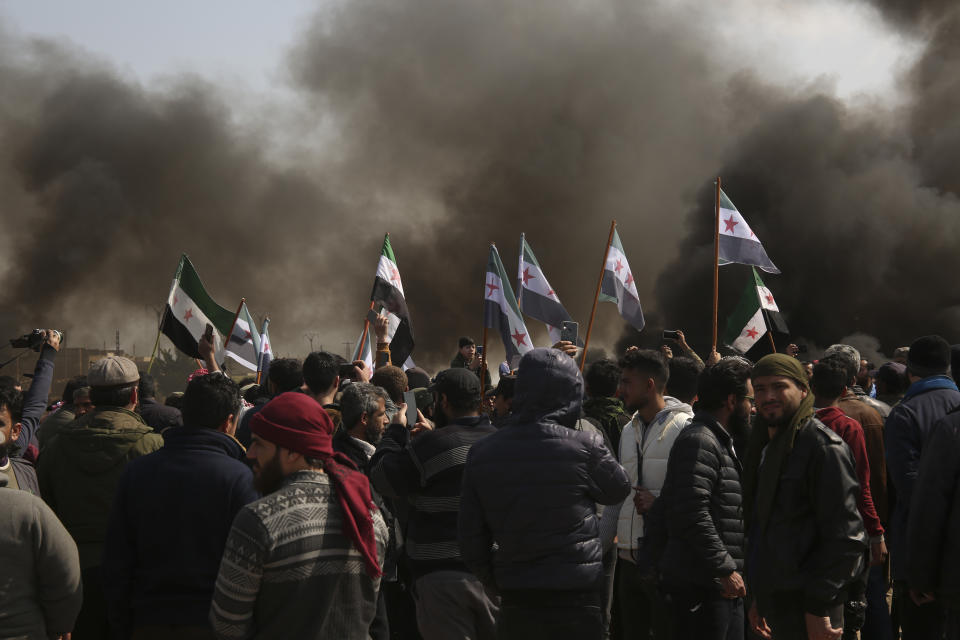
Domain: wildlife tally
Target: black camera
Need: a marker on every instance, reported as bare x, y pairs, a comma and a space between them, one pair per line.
671, 334
33, 340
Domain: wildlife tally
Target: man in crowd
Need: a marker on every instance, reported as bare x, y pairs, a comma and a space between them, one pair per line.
363, 407
831, 377
932, 395
805, 537
467, 358
303, 561
503, 401
158, 573
75, 402
892, 382
285, 374
321, 374
645, 445
683, 379
20, 415
41, 593
700, 507
157, 416
81, 468
932, 551
602, 406
528, 523
392, 380
425, 467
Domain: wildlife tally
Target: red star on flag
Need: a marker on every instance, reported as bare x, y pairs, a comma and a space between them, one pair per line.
492, 288
752, 333
731, 223
266, 347
188, 315
618, 267
527, 277
175, 299
247, 335
394, 275
550, 293
629, 278
518, 337
769, 298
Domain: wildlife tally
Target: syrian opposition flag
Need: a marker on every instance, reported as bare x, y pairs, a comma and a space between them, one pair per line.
501, 312
243, 345
619, 286
388, 291
738, 243
756, 313
266, 351
190, 309
535, 296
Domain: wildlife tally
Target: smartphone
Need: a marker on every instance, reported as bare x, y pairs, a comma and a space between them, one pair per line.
669, 334
569, 330
372, 316
208, 334
410, 397
345, 372
479, 350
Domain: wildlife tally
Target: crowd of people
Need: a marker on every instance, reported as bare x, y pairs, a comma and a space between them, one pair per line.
654, 496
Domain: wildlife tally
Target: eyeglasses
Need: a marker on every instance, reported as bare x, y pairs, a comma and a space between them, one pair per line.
750, 398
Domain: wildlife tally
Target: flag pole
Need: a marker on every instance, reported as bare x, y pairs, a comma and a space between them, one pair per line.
716, 263
483, 364
155, 345
773, 345
596, 297
232, 326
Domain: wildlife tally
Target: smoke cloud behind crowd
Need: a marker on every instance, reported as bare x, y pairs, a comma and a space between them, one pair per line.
455, 125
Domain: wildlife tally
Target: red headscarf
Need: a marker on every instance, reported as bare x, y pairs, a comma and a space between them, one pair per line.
297, 422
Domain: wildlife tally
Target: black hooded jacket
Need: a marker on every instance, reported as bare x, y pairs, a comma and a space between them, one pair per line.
528, 507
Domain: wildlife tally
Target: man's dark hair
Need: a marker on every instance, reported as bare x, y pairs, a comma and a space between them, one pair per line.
830, 377
392, 379
466, 341
12, 401
716, 383
74, 383
320, 369
647, 362
506, 385
8, 381
286, 374
147, 388
684, 375
111, 396
602, 378
209, 400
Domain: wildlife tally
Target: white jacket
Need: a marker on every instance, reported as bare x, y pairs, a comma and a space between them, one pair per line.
654, 444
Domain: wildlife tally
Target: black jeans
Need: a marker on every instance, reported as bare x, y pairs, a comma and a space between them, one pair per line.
923, 622
704, 614
541, 613
643, 612
785, 616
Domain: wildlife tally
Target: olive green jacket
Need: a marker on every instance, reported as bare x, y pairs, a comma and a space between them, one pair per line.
81, 467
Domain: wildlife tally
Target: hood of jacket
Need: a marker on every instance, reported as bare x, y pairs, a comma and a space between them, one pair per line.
549, 388
672, 406
98, 440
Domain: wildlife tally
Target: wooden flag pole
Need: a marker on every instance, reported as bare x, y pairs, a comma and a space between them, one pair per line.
773, 345
596, 297
155, 345
232, 326
716, 263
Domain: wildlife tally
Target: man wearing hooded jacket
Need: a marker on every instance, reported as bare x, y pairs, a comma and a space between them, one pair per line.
805, 536
528, 526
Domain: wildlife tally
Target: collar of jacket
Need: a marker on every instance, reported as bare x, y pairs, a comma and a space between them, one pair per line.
181, 438
708, 420
929, 384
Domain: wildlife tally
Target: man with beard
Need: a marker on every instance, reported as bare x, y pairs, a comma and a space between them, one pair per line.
805, 537
424, 466
158, 573
700, 509
363, 409
303, 561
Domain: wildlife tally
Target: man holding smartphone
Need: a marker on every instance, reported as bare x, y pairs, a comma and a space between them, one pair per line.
472, 357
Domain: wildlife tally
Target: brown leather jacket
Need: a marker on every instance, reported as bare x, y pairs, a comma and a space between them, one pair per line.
872, 424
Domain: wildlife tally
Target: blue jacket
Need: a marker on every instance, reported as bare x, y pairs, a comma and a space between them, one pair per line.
906, 432
528, 511
168, 528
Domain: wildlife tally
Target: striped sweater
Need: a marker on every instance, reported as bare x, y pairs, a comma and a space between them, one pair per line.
428, 473
288, 570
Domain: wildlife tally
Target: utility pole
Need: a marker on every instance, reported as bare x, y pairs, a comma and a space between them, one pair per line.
310, 337
118, 341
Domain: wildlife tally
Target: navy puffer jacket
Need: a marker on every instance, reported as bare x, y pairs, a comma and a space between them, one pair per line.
528, 507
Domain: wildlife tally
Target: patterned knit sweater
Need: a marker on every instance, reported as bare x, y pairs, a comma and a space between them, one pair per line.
288, 570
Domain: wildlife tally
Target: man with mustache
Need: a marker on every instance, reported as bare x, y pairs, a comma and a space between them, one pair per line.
305, 560
805, 537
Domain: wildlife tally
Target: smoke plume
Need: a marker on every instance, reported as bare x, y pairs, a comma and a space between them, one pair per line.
455, 125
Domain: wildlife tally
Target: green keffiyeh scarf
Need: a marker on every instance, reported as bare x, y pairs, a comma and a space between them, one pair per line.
760, 484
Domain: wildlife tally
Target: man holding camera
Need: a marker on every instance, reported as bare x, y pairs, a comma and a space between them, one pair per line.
81, 468
472, 358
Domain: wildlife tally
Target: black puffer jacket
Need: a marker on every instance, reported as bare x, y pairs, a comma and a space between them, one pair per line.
814, 542
528, 506
701, 507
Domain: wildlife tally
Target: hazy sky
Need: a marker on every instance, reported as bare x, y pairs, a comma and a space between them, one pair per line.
242, 43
